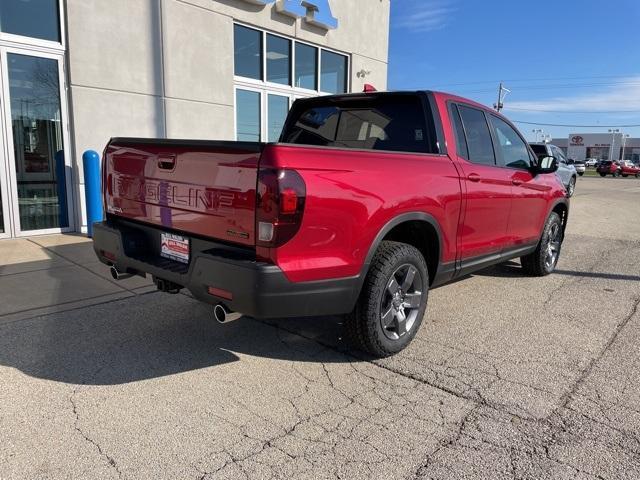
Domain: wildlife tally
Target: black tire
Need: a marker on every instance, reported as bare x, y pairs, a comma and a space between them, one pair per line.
581, 173
365, 324
616, 173
571, 187
625, 175
637, 175
603, 175
536, 264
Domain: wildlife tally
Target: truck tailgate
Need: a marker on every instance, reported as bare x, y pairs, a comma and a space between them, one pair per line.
198, 187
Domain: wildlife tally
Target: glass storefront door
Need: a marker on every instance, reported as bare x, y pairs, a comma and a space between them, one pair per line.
37, 181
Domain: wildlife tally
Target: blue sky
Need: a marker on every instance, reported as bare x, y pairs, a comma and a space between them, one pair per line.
565, 61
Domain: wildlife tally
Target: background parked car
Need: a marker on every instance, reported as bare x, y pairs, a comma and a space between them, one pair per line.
591, 162
579, 165
629, 168
566, 172
609, 167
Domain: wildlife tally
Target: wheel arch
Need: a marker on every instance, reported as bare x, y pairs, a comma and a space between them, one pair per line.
418, 229
561, 207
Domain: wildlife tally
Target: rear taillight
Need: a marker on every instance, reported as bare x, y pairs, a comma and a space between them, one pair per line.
279, 206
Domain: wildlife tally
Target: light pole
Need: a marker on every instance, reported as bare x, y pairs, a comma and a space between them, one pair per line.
537, 131
613, 138
624, 144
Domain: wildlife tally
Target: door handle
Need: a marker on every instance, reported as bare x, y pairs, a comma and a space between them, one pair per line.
516, 182
166, 162
474, 177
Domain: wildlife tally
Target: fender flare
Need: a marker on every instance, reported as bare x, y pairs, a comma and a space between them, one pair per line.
394, 222
559, 201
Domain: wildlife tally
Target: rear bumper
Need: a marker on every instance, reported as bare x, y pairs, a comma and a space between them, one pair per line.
258, 289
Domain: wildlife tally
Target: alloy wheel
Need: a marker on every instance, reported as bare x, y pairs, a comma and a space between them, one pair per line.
401, 301
553, 247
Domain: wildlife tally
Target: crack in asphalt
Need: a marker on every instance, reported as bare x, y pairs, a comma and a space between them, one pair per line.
110, 460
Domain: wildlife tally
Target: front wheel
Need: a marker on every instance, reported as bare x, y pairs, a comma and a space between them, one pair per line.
545, 257
616, 174
625, 175
637, 175
392, 302
603, 175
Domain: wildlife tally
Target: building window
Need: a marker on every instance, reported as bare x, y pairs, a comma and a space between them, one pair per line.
278, 60
271, 71
247, 53
31, 18
333, 72
306, 67
277, 109
248, 115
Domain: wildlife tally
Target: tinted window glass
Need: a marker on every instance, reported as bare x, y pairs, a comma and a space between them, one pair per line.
461, 143
395, 123
247, 116
539, 150
247, 52
278, 60
306, 66
30, 18
514, 150
333, 72
478, 136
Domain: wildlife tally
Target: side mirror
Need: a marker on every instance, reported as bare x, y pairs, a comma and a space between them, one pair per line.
546, 165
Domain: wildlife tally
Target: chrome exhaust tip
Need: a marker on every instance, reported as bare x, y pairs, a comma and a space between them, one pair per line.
223, 315
118, 275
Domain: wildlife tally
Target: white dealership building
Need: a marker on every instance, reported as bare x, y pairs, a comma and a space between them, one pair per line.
602, 146
74, 73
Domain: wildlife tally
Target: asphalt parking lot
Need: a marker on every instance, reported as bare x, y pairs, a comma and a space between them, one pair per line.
509, 377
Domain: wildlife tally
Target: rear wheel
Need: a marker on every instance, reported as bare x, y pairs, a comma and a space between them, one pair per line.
625, 175
616, 173
637, 175
603, 175
545, 257
581, 173
392, 302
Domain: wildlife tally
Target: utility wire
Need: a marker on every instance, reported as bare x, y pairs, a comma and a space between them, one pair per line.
576, 126
548, 79
569, 111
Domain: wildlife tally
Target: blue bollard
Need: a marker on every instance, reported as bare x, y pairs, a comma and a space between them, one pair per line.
92, 191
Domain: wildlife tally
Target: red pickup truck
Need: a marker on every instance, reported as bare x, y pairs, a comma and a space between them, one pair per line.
367, 202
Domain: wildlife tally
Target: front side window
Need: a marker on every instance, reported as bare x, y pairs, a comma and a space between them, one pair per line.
278, 60
247, 52
393, 124
513, 149
478, 136
333, 72
31, 18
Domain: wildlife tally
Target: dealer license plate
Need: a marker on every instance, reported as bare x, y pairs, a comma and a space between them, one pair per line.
174, 247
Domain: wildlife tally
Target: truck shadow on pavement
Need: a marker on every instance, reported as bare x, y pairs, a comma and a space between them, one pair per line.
147, 337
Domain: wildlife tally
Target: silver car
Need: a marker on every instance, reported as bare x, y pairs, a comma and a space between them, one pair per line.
566, 171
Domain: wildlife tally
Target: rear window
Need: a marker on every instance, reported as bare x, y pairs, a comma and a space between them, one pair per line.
393, 123
605, 163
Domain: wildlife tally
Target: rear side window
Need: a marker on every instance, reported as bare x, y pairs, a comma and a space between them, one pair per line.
478, 136
394, 123
461, 143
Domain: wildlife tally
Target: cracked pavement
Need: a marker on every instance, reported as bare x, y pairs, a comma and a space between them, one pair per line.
510, 377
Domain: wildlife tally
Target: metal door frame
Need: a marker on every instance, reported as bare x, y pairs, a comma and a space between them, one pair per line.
9, 169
